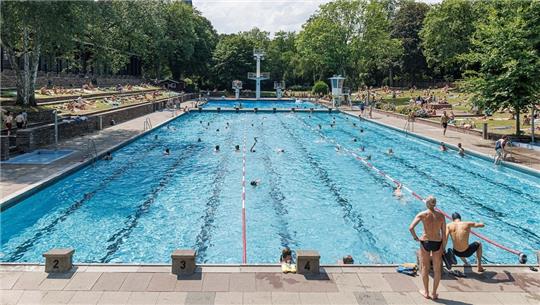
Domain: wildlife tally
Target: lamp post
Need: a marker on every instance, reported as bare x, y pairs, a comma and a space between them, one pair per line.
337, 88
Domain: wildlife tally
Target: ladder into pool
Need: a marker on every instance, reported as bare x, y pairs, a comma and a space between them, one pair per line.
147, 124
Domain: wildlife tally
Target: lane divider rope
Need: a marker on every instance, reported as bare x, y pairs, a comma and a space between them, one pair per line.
522, 256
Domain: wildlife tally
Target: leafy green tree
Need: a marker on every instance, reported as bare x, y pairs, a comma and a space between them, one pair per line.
232, 58
446, 34
505, 47
29, 29
406, 26
320, 88
280, 56
378, 52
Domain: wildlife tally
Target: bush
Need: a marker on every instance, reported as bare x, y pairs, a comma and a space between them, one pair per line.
299, 88
320, 88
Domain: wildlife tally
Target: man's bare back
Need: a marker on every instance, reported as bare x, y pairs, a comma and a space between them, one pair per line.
433, 222
460, 232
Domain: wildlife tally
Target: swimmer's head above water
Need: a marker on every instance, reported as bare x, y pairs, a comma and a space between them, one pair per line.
216, 148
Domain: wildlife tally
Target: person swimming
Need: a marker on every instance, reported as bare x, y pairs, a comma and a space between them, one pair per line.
397, 191
390, 152
237, 147
442, 147
320, 127
217, 130
200, 122
361, 129
167, 152
255, 182
461, 151
199, 140
362, 148
354, 124
280, 150
155, 137
108, 156
252, 149
354, 139
216, 149
368, 157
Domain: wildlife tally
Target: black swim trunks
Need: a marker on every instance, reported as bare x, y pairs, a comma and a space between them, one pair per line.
469, 251
444, 125
430, 245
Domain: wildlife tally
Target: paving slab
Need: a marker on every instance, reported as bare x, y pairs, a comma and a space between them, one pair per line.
85, 297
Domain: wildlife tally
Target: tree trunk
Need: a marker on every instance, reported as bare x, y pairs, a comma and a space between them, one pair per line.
391, 78
518, 130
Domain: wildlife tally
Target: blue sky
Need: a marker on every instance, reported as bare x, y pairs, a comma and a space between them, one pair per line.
231, 16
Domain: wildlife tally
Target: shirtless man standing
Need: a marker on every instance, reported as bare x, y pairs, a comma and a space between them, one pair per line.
460, 231
432, 243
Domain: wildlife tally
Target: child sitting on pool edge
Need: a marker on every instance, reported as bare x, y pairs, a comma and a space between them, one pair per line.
286, 260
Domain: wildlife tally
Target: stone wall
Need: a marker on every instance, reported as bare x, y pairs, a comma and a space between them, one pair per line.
8, 80
4, 148
32, 138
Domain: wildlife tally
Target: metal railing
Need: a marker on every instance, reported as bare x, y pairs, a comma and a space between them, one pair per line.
147, 124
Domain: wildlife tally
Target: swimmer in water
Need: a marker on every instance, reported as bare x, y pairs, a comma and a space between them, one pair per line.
217, 130
390, 152
354, 124
320, 127
216, 149
280, 150
338, 147
167, 152
208, 124
368, 157
227, 124
397, 191
237, 148
362, 148
361, 129
461, 151
255, 182
354, 140
200, 122
155, 137
108, 156
332, 125
199, 140
442, 147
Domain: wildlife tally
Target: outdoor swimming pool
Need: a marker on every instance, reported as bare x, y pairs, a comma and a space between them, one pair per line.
286, 103
143, 205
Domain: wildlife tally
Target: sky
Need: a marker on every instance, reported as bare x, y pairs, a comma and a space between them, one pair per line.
232, 16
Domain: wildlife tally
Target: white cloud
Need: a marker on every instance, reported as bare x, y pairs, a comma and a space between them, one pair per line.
232, 16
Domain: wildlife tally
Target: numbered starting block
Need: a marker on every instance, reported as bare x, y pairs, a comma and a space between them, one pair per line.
58, 260
307, 261
183, 262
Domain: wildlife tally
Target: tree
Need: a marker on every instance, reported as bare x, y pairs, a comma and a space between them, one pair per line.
505, 46
32, 28
280, 56
320, 88
377, 51
406, 26
446, 35
232, 58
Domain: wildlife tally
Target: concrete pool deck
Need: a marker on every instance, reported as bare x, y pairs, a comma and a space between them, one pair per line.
116, 284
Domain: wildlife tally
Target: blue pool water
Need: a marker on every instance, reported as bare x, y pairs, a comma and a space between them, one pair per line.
143, 205
298, 104
40, 156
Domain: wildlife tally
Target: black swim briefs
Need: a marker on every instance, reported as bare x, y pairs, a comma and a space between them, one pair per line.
469, 251
430, 245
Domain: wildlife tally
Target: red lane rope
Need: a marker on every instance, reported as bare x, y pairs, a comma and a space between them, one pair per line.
364, 161
244, 243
